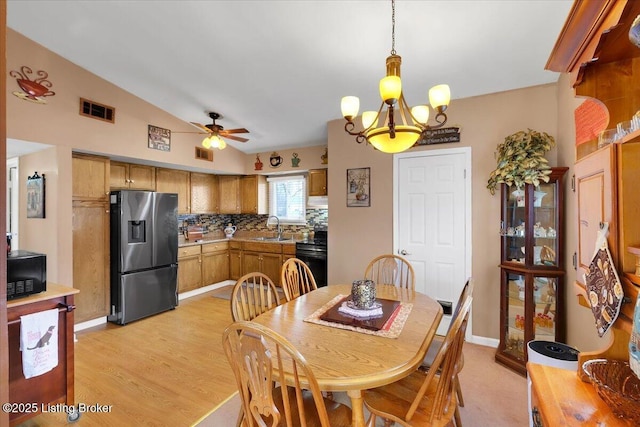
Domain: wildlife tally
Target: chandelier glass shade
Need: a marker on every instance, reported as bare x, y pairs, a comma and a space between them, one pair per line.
380, 128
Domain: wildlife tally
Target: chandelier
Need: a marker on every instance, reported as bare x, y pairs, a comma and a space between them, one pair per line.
380, 129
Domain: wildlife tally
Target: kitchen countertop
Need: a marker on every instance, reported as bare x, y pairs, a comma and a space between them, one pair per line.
182, 242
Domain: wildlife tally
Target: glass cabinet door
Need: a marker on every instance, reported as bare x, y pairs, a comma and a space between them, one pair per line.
528, 292
514, 327
545, 225
513, 227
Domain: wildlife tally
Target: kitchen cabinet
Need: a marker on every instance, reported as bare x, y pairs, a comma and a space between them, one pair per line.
90, 235
264, 258
229, 194
317, 182
215, 262
92, 173
129, 176
204, 193
254, 195
531, 268
235, 260
605, 185
189, 268
175, 181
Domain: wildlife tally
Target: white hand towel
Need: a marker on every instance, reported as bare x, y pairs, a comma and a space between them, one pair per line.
39, 342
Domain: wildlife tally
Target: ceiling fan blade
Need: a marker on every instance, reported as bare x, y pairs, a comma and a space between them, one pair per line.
201, 127
236, 138
238, 130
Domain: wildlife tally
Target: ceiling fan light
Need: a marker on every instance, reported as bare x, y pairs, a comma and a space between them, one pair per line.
215, 141
390, 89
223, 144
349, 106
206, 143
439, 96
420, 114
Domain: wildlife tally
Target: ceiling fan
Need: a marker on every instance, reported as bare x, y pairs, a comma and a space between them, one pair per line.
216, 132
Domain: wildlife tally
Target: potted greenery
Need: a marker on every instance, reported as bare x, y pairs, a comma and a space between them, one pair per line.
521, 160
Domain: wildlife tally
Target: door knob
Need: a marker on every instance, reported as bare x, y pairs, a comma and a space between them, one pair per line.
403, 252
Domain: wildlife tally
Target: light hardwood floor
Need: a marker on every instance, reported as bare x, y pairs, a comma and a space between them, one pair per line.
165, 370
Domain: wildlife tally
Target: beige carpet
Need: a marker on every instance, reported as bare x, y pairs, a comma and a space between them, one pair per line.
493, 395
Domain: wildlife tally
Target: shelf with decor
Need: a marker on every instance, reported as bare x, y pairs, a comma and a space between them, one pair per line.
532, 268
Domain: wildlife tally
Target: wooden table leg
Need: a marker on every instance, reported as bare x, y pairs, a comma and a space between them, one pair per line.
357, 408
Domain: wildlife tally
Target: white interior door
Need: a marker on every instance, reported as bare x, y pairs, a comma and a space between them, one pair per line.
433, 221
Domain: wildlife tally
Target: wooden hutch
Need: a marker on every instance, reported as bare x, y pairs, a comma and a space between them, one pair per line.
595, 50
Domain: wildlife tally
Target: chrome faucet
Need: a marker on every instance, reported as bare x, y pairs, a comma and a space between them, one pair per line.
278, 225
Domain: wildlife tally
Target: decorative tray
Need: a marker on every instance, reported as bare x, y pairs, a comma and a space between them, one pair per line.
389, 309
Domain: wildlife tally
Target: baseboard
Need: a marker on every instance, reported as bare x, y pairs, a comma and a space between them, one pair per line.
89, 324
488, 342
204, 289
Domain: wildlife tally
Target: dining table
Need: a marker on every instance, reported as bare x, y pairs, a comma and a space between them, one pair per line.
351, 359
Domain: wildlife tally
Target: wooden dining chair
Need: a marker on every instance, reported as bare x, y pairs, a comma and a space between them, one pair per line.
296, 278
252, 295
391, 270
432, 351
262, 361
429, 396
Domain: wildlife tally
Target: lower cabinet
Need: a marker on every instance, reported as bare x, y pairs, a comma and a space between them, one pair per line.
202, 265
265, 258
215, 263
189, 270
90, 225
263, 262
235, 260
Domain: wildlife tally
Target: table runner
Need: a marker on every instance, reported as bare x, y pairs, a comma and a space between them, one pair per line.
392, 329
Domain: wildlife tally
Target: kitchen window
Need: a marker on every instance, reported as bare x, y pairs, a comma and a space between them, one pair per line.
287, 198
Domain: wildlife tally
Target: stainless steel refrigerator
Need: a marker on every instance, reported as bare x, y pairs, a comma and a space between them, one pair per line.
144, 254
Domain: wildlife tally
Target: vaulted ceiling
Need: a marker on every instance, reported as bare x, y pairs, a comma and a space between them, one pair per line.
279, 68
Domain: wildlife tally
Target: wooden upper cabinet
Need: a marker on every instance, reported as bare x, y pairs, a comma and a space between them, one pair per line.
129, 176
318, 182
254, 195
229, 194
594, 48
175, 181
90, 177
204, 193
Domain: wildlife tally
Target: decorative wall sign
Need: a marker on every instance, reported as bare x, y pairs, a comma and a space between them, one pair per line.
439, 136
295, 160
32, 90
258, 164
358, 187
275, 160
159, 138
35, 196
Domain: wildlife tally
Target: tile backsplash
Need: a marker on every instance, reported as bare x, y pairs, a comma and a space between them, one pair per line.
251, 223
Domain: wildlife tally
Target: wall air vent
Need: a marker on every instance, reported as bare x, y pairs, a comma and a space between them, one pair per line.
97, 111
204, 154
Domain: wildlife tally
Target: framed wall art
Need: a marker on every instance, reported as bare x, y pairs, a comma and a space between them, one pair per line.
159, 138
359, 187
35, 196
